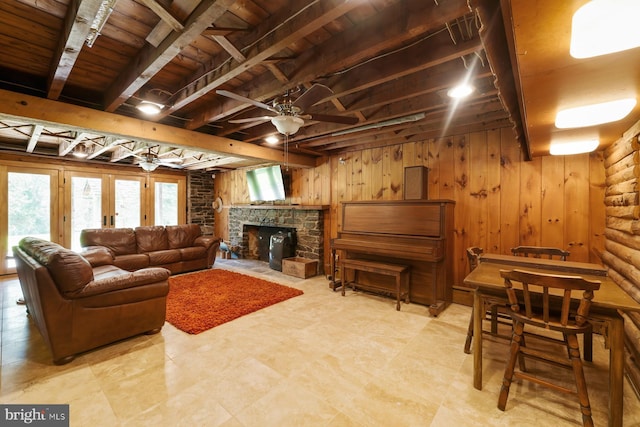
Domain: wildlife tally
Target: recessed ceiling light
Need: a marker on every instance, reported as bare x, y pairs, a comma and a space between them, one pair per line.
272, 139
595, 114
460, 91
605, 26
573, 147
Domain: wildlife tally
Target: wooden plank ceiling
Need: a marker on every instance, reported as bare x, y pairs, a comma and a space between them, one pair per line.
384, 61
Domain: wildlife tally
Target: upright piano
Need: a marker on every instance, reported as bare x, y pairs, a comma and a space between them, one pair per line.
417, 233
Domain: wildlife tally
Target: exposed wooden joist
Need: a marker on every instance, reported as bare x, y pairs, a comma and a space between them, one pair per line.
345, 50
310, 19
46, 112
162, 30
151, 59
164, 14
66, 146
77, 23
33, 140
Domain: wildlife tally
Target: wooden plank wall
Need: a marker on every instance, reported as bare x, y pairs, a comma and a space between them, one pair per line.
501, 200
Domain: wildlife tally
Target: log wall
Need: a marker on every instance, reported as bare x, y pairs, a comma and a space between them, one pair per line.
622, 232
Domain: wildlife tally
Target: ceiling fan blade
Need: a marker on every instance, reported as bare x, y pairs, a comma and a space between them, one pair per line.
171, 165
315, 93
245, 100
345, 120
252, 119
171, 160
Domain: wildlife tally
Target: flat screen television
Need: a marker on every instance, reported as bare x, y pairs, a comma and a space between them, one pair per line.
266, 184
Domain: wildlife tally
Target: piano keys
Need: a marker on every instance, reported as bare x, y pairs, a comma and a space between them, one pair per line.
418, 233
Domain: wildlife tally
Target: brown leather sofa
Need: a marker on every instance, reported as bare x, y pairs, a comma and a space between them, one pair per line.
178, 248
83, 302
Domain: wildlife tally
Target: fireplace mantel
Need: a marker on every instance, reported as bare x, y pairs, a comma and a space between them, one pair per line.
284, 207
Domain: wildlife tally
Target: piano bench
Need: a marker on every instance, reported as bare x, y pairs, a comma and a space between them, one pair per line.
400, 273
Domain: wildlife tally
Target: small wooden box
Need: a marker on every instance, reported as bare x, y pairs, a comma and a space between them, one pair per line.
300, 267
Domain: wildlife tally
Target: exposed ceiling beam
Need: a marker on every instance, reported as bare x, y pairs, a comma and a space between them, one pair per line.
53, 113
77, 23
164, 14
151, 59
344, 51
307, 21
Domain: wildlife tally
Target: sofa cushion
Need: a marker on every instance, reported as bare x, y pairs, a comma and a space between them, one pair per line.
151, 238
163, 257
120, 241
132, 262
195, 252
70, 271
182, 236
97, 255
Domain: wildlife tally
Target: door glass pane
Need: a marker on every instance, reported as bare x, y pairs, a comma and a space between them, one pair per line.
86, 207
29, 209
127, 202
166, 203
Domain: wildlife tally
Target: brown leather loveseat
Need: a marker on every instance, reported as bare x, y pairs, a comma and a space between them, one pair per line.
178, 248
83, 302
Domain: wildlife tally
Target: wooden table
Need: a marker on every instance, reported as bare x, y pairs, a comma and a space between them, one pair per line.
610, 298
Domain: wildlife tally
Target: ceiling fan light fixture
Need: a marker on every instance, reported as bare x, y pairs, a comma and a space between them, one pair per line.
148, 166
573, 147
150, 108
604, 26
594, 114
81, 151
287, 125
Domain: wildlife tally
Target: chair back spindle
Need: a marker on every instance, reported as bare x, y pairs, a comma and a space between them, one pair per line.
540, 252
548, 284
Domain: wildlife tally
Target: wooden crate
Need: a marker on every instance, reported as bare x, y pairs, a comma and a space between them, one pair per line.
300, 267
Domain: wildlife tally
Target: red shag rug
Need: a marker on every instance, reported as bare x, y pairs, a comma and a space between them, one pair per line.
202, 300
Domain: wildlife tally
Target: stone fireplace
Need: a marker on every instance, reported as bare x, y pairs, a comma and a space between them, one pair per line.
249, 226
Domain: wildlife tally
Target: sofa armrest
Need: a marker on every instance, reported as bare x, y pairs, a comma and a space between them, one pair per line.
207, 241
97, 255
124, 280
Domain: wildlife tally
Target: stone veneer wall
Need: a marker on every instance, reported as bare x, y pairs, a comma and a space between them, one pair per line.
622, 232
308, 224
200, 196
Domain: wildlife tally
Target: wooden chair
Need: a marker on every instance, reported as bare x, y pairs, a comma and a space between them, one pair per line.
540, 314
560, 254
492, 305
540, 252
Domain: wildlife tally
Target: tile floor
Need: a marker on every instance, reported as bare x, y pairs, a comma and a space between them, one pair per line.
314, 360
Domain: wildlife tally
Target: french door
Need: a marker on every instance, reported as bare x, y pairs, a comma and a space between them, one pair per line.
49, 202
101, 201
28, 207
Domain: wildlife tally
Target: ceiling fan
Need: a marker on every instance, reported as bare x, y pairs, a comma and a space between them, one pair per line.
291, 113
150, 161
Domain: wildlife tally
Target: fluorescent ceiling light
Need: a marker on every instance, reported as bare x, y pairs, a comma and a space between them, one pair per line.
272, 139
149, 108
595, 114
605, 26
460, 91
573, 147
